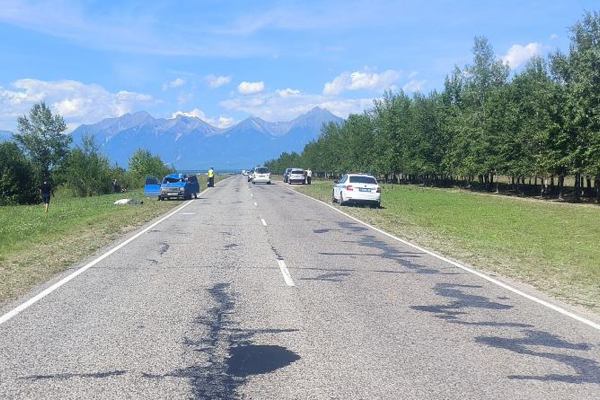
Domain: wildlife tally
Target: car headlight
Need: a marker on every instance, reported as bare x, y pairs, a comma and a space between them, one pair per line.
181, 189
163, 190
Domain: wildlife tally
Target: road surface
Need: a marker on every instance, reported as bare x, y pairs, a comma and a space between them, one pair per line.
258, 292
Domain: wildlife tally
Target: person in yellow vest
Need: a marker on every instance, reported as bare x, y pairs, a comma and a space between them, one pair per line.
211, 177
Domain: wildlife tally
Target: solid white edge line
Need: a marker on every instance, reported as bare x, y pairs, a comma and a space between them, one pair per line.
465, 268
263, 222
286, 273
22, 307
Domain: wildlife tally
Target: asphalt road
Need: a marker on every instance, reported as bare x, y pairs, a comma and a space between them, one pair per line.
199, 307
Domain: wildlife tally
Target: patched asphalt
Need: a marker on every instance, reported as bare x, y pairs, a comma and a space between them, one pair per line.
197, 307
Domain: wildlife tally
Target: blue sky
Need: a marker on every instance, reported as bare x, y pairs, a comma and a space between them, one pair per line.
225, 60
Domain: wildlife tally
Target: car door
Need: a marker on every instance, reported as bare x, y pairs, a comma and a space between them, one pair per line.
339, 186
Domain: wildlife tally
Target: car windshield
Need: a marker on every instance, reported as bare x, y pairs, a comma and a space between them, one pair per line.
172, 180
363, 179
298, 172
262, 170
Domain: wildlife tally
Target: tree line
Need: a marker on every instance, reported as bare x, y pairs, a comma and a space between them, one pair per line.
542, 123
42, 151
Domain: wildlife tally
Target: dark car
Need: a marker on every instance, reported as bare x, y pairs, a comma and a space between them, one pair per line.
179, 186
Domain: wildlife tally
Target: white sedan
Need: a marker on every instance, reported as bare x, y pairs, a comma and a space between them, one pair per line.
261, 175
357, 188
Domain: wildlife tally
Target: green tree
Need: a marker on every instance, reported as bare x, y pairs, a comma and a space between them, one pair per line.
41, 135
142, 164
87, 172
17, 185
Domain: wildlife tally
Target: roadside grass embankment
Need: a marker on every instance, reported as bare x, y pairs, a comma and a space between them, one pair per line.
554, 247
35, 246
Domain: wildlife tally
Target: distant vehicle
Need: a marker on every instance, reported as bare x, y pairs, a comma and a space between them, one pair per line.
286, 174
357, 188
250, 174
296, 175
244, 172
152, 187
261, 175
179, 186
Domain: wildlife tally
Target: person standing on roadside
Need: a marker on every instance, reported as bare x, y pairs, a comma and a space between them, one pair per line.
308, 176
46, 192
211, 177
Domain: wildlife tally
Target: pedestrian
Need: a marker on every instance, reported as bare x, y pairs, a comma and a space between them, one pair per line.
211, 177
308, 176
116, 186
46, 192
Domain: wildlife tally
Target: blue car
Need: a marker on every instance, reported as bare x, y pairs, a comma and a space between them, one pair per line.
179, 186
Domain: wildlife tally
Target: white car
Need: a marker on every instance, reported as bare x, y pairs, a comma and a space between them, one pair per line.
296, 175
357, 188
261, 175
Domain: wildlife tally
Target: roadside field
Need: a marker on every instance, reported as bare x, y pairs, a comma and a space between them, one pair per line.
34, 247
555, 247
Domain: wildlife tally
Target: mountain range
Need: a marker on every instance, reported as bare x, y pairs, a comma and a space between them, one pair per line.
191, 143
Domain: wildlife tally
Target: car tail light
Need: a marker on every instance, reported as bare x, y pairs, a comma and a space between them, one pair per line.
349, 188
378, 189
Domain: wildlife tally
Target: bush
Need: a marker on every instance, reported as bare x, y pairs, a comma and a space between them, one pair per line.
17, 183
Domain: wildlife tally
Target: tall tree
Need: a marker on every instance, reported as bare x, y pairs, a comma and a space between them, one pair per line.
41, 135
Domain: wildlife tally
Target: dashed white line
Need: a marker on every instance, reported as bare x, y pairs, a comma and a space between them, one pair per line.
286, 273
251, 194
256, 204
544, 303
263, 222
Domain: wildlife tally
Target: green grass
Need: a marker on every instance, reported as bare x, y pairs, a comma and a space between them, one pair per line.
35, 246
555, 247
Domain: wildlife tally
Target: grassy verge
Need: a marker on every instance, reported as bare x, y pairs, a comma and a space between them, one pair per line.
555, 247
35, 246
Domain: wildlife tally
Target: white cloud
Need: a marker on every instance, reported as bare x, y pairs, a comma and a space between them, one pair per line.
77, 102
414, 85
219, 122
215, 81
251, 87
519, 54
361, 80
173, 84
554, 36
287, 92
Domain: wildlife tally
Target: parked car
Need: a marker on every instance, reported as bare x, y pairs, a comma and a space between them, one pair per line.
179, 186
296, 176
357, 188
152, 187
262, 175
286, 174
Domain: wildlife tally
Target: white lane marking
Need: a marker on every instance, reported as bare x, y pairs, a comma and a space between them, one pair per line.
188, 213
286, 273
256, 204
263, 222
251, 194
50, 289
465, 268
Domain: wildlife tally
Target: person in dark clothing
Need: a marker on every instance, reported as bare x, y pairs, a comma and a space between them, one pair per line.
46, 192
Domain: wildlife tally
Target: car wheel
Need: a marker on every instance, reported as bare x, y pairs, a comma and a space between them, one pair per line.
268, 183
160, 198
